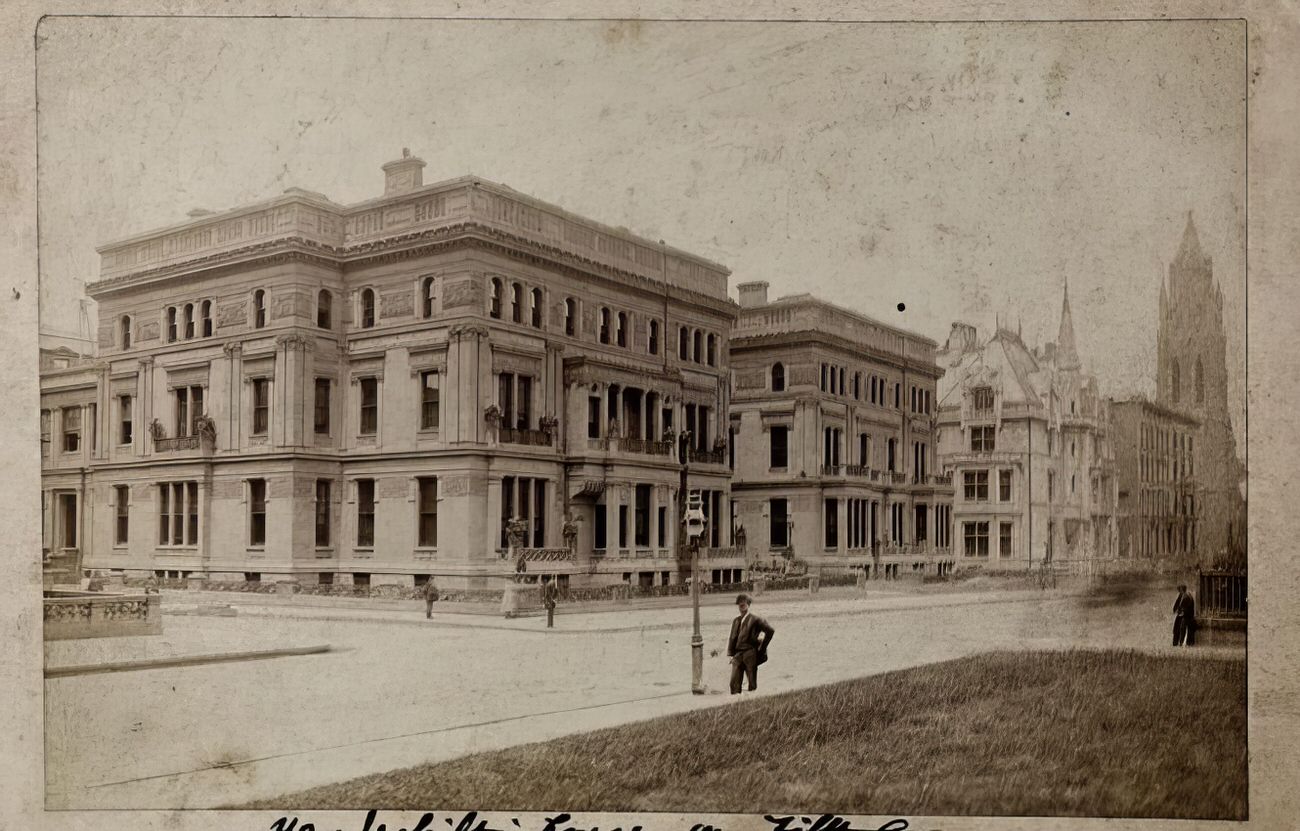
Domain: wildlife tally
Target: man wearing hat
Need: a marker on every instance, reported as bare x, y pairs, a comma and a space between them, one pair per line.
747, 646
1184, 618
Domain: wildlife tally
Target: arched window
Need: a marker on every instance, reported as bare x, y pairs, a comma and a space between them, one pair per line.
570, 317
654, 337
124, 327
189, 320
494, 310
516, 303
697, 342
604, 325
1198, 380
205, 318
683, 343
712, 354
778, 377
537, 308
324, 309
857, 386
259, 309
171, 324
426, 297
1173, 381
367, 308
620, 333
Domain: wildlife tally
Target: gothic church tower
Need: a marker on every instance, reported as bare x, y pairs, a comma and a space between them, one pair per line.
1192, 377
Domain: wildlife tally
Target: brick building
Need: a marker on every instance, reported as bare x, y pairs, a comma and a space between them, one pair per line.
1159, 499
834, 414
372, 393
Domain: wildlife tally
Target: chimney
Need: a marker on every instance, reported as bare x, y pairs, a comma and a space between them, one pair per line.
753, 294
403, 174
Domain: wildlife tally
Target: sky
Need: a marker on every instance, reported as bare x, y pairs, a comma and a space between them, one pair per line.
965, 170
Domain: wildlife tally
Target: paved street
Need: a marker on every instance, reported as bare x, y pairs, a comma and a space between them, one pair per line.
398, 690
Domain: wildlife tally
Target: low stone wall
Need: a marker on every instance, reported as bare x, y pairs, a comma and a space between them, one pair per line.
74, 614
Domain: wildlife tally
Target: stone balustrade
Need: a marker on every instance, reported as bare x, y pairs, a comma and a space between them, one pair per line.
74, 614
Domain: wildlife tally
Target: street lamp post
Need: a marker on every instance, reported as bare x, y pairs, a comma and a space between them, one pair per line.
693, 526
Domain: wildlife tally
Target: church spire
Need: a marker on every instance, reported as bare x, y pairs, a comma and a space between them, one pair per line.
1067, 356
1189, 250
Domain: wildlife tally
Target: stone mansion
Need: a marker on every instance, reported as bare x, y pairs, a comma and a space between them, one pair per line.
429, 382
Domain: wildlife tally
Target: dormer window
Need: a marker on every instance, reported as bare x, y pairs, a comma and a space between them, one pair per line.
982, 399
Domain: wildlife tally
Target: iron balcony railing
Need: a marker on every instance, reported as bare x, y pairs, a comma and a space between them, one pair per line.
536, 438
647, 446
177, 443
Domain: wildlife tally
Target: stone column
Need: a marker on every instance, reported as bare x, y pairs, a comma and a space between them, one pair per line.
231, 434
290, 372
468, 388
144, 395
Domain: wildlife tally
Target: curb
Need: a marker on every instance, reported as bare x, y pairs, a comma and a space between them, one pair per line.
183, 661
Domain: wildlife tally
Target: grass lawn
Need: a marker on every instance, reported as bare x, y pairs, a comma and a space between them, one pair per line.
1082, 733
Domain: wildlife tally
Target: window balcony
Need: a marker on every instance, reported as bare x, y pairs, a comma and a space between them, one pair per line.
646, 446
534, 438
710, 457
177, 443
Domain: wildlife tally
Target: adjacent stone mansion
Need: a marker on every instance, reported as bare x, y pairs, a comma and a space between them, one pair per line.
834, 412
422, 383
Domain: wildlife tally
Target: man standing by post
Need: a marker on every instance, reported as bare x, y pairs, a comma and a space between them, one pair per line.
747, 646
1184, 618
430, 597
549, 592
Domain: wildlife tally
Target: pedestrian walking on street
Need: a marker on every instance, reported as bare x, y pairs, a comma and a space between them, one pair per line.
430, 597
1184, 618
549, 591
747, 646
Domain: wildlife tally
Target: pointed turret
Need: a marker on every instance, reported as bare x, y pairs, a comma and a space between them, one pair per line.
1189, 250
1067, 356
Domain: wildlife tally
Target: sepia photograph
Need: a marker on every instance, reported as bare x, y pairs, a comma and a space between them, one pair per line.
769, 418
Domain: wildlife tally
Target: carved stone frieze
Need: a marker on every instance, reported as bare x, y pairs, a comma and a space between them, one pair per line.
396, 304
751, 379
148, 331
465, 291
232, 314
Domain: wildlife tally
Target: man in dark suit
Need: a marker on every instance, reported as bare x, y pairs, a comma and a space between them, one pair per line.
747, 646
1184, 618
430, 597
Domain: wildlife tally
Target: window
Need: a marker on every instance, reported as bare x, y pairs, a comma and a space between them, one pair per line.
257, 512
620, 333
1004, 540
121, 501
976, 538
913, 402
778, 523
697, 344
1198, 380
641, 530
365, 513
823, 378
778, 377
428, 519
898, 396
593, 416
494, 309
205, 316
322, 513
600, 532
429, 400
683, 343
189, 409
891, 453
780, 446
654, 337
178, 513
189, 320
369, 406
832, 514
981, 439
1174, 381
367, 308
71, 429
45, 437
514, 398
1004, 486
536, 308
711, 355
1051, 484
976, 485
426, 297
604, 325
570, 317
261, 406
259, 309
982, 399
321, 411
864, 449
324, 309
124, 329
171, 324
124, 434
